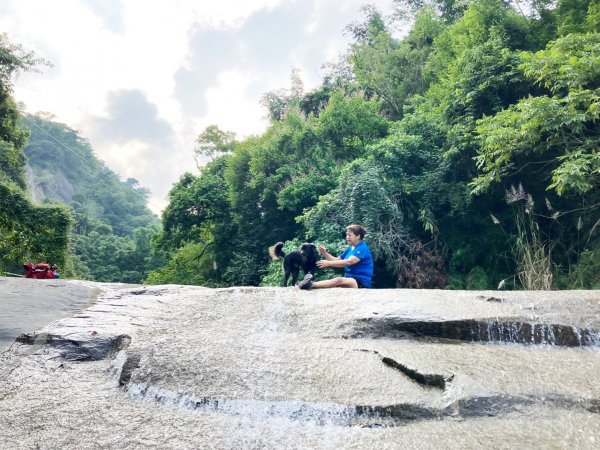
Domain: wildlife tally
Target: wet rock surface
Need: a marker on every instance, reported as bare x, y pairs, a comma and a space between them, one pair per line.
488, 330
79, 347
191, 367
27, 304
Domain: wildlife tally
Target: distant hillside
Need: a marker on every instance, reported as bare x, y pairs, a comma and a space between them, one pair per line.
62, 166
113, 226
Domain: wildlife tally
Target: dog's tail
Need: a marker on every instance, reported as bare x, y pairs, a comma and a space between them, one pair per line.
276, 251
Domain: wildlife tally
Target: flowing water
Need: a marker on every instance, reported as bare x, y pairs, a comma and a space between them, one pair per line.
189, 367
27, 304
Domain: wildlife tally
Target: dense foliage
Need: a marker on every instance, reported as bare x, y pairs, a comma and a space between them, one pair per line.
21, 237
468, 148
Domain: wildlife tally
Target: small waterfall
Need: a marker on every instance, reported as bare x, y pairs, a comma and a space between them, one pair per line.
495, 330
499, 330
297, 410
340, 415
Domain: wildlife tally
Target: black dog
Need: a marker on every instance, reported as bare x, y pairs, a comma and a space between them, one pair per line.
305, 258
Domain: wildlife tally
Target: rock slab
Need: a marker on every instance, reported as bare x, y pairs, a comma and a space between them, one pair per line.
191, 367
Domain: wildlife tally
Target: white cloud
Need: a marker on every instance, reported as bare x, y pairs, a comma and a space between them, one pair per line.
140, 79
225, 108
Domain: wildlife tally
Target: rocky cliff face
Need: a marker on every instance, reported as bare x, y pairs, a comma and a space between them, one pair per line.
191, 367
44, 184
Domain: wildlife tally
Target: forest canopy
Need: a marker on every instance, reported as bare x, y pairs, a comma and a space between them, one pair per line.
468, 148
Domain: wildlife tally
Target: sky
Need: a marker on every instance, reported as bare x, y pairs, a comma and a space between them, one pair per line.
141, 79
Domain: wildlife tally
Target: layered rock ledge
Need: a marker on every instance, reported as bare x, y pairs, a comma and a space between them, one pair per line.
192, 367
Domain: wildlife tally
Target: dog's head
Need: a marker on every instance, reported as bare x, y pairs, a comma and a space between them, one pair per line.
309, 251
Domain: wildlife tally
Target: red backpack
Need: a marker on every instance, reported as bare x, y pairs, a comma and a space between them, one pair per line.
38, 271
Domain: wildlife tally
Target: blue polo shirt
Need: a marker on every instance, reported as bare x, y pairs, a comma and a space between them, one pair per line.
363, 270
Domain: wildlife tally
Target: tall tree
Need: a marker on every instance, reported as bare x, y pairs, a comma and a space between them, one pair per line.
213, 142
390, 69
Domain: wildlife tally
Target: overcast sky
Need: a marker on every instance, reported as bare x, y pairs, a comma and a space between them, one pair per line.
140, 79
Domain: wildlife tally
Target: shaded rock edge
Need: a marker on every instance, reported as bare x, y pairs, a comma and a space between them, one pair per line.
356, 415
79, 347
472, 330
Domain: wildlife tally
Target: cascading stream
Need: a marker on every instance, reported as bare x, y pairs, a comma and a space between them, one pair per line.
186, 367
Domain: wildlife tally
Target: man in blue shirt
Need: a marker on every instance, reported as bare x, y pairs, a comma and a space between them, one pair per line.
356, 260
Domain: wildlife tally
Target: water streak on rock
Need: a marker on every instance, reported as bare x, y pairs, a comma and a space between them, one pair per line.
323, 414
479, 330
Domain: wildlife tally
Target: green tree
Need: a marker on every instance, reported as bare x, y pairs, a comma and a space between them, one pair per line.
449, 10
348, 124
280, 102
106, 257
361, 197
559, 129
185, 266
393, 70
197, 224
577, 16
27, 231
213, 142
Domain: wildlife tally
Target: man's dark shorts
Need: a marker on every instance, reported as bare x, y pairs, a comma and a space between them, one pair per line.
361, 285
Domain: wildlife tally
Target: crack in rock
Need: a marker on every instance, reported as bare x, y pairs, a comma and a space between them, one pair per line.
491, 299
146, 291
123, 366
424, 379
